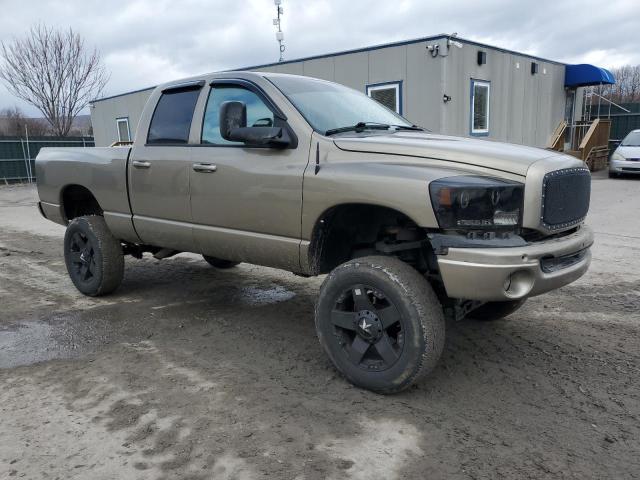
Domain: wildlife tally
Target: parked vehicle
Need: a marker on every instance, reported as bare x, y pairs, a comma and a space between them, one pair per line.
626, 158
315, 178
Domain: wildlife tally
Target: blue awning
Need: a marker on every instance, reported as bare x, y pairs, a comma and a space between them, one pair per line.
584, 75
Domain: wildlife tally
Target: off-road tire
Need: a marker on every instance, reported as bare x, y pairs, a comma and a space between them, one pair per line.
220, 263
104, 256
495, 310
421, 321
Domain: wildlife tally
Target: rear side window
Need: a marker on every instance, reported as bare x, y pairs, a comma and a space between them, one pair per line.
171, 120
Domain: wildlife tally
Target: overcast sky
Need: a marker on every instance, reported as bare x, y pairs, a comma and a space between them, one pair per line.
145, 42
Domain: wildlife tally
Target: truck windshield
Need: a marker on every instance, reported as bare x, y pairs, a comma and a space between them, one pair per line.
632, 140
329, 107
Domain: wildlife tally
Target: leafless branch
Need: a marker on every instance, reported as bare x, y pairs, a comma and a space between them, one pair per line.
53, 71
627, 86
13, 123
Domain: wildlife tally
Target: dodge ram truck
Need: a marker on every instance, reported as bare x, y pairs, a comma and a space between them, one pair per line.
315, 178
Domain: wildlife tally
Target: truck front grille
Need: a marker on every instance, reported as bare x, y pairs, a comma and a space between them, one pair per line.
565, 197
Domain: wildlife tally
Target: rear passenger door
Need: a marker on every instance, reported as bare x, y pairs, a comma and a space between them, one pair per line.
159, 169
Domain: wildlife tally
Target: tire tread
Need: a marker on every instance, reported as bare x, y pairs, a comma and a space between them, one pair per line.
111, 254
421, 296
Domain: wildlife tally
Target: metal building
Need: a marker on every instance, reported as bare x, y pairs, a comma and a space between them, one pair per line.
444, 83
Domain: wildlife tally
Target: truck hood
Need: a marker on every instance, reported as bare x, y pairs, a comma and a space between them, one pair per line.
505, 157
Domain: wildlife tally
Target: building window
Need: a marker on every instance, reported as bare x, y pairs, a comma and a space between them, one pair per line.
388, 94
480, 96
124, 134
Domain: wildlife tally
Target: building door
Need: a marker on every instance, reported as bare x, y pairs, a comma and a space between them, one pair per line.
569, 117
246, 202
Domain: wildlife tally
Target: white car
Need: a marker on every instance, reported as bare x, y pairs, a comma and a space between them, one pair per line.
626, 158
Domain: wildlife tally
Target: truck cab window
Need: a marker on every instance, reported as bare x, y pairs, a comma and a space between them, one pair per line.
258, 114
171, 120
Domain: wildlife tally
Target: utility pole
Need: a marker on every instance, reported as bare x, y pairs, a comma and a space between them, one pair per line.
279, 33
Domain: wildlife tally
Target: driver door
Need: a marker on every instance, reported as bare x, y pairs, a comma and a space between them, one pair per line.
246, 202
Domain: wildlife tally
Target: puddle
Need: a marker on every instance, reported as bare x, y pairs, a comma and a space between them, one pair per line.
77, 333
63, 336
27, 343
256, 296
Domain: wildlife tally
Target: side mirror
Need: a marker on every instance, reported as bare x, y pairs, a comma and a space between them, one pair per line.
232, 115
233, 127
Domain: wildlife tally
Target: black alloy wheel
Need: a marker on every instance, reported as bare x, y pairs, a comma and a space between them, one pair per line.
380, 322
370, 327
93, 256
82, 257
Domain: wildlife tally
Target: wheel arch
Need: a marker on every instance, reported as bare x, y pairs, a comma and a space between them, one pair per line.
77, 200
360, 224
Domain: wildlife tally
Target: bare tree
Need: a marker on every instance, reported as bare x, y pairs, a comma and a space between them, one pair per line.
53, 71
13, 123
627, 86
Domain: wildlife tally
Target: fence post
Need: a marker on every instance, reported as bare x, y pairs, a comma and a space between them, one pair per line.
24, 156
29, 173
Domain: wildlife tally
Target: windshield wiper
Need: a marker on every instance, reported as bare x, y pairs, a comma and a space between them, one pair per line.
358, 127
362, 126
408, 127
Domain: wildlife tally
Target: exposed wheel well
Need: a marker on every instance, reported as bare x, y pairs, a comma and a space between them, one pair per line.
78, 201
356, 230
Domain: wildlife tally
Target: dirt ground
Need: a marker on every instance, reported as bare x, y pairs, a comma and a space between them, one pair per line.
192, 373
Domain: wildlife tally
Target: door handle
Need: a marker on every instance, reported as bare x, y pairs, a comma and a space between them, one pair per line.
141, 164
204, 167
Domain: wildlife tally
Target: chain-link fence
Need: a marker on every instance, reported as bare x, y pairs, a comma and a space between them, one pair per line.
17, 155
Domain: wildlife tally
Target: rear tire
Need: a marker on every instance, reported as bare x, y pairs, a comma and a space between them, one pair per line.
93, 256
220, 263
380, 323
495, 310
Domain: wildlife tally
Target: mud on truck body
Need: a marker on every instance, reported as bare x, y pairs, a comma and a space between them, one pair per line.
315, 178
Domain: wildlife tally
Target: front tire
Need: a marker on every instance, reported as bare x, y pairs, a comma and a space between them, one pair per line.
495, 310
220, 263
380, 323
93, 256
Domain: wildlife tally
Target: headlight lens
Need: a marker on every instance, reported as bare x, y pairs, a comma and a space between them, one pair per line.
477, 203
617, 156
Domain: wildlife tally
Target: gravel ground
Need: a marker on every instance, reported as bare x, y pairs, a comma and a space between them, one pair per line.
192, 373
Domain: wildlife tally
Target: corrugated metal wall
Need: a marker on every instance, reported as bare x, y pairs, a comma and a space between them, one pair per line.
105, 112
421, 78
17, 156
525, 108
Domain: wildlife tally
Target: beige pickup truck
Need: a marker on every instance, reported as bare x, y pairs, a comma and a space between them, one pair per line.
316, 178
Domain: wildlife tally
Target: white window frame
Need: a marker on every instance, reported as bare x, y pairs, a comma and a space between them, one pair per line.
123, 120
481, 83
386, 86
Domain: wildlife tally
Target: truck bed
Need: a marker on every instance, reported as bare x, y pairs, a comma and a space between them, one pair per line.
101, 170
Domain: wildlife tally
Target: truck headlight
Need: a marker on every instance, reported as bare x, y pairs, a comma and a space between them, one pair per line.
477, 203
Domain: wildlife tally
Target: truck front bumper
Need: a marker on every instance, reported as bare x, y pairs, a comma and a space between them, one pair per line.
511, 273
